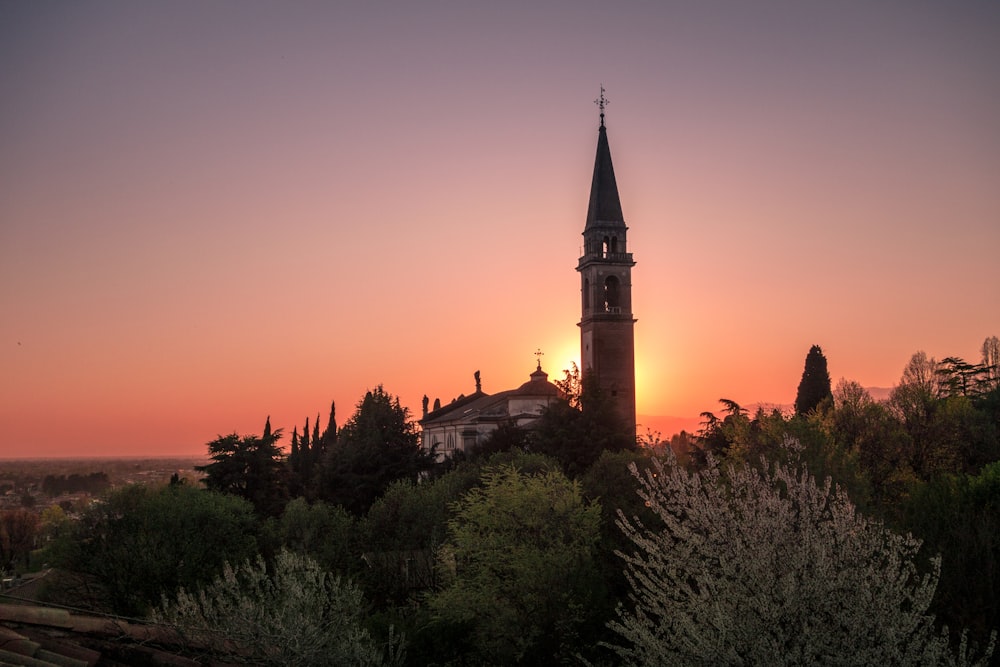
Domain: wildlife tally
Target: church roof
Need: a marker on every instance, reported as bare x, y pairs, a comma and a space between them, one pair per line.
605, 206
481, 404
538, 385
461, 409
459, 406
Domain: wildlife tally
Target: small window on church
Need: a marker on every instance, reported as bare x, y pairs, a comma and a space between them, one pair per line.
614, 244
607, 245
611, 303
586, 293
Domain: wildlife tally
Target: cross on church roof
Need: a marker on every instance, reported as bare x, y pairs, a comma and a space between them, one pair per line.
538, 355
602, 102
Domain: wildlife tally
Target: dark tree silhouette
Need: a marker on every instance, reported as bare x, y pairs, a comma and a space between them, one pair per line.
329, 438
576, 431
815, 385
317, 452
251, 467
507, 436
716, 435
377, 446
18, 529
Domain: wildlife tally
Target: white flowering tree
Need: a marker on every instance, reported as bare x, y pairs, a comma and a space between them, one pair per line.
765, 566
298, 615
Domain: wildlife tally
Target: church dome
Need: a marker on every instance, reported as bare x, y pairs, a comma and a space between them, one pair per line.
538, 385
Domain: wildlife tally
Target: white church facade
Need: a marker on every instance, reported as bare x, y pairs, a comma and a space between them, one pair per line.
468, 420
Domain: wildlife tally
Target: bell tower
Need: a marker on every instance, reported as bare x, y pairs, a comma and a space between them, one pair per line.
607, 343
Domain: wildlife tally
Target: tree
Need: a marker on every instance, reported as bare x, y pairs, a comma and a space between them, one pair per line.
52, 521
519, 565
402, 532
991, 362
814, 387
324, 532
765, 566
139, 543
251, 467
958, 516
294, 614
873, 435
329, 437
609, 483
717, 436
571, 385
305, 452
507, 436
18, 530
946, 430
377, 446
921, 373
577, 430
317, 450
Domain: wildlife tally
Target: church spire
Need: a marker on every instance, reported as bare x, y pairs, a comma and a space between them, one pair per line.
607, 343
605, 206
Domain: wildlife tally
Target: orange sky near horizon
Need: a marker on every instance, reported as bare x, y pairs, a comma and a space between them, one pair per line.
212, 213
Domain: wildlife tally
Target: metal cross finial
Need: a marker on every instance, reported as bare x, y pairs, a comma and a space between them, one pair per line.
602, 102
538, 355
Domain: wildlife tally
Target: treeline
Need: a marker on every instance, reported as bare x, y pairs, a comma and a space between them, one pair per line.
941, 419
571, 541
350, 467
93, 483
925, 461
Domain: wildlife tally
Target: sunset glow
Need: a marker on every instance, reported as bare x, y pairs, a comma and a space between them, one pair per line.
215, 212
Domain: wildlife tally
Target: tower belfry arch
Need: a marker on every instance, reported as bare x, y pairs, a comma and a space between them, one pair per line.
607, 340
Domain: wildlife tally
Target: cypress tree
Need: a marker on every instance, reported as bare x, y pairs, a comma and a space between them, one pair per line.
293, 457
330, 434
305, 455
815, 384
318, 445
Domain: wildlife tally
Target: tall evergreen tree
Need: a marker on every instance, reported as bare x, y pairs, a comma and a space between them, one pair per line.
295, 486
376, 446
293, 456
317, 452
330, 434
815, 385
305, 455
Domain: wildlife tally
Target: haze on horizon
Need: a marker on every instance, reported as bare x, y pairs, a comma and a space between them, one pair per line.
212, 213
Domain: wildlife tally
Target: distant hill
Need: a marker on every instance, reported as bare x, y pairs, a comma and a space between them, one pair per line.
880, 393
666, 426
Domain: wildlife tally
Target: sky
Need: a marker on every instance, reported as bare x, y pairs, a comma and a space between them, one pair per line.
212, 213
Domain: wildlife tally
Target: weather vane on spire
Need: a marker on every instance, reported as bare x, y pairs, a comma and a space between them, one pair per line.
538, 356
602, 102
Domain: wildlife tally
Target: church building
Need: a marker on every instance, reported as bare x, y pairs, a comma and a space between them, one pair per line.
470, 419
607, 347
